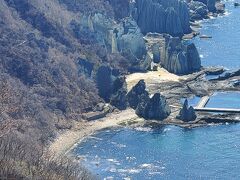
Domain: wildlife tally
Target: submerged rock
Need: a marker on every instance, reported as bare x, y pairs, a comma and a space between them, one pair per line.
187, 113
155, 108
236, 4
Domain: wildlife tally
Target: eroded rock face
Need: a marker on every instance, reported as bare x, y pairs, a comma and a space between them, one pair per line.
137, 94
162, 16
198, 10
194, 61
148, 108
155, 108
156, 53
129, 36
104, 82
173, 23
116, 37
180, 58
187, 113
119, 93
210, 4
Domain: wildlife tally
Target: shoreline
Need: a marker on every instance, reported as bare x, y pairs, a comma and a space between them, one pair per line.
65, 142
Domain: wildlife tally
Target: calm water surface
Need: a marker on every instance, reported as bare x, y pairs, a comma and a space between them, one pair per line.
225, 100
223, 48
164, 153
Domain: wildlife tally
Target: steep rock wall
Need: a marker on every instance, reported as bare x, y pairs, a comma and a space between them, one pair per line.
180, 58
160, 16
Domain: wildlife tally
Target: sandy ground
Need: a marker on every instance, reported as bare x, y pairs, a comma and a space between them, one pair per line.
65, 142
151, 77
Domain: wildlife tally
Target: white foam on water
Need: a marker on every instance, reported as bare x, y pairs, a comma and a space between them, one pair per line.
113, 160
146, 166
108, 178
113, 170
143, 129
151, 167
167, 129
227, 13
155, 173
130, 171
93, 137
130, 158
119, 145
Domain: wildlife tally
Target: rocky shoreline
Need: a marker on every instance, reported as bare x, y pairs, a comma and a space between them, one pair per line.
159, 88
196, 85
173, 91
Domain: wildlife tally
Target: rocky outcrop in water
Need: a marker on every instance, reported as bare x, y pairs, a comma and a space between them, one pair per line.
187, 113
162, 16
210, 4
228, 75
198, 10
155, 108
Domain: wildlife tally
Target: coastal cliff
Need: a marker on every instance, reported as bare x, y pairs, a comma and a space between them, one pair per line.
170, 17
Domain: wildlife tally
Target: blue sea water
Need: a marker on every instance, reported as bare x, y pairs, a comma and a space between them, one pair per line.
167, 152
225, 100
171, 152
223, 48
